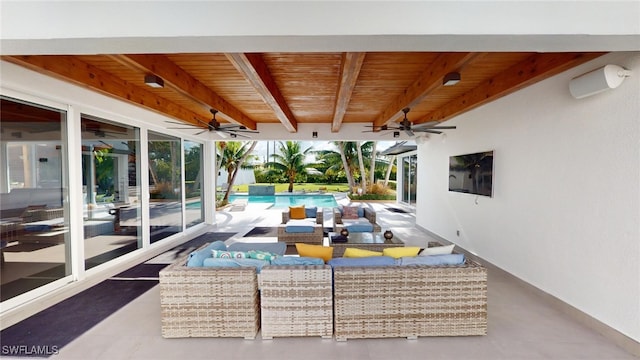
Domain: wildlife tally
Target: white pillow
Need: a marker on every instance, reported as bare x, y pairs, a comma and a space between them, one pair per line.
438, 250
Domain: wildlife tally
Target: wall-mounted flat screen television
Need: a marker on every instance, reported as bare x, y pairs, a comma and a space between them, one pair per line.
471, 173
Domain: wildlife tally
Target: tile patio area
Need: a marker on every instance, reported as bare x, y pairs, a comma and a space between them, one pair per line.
521, 325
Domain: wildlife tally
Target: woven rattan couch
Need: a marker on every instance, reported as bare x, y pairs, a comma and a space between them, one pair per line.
315, 237
369, 214
296, 301
410, 301
209, 301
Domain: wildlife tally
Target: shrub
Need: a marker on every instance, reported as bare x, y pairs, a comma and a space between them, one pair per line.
372, 197
164, 190
379, 189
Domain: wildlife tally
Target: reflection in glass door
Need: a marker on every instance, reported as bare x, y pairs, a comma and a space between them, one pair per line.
34, 217
409, 179
165, 186
111, 190
193, 165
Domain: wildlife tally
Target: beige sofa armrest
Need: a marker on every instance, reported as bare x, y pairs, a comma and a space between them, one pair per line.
285, 216
370, 214
337, 216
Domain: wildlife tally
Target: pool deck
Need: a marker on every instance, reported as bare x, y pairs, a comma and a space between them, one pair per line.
261, 214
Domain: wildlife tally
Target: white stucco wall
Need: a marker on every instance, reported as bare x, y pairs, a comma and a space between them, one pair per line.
63, 27
565, 211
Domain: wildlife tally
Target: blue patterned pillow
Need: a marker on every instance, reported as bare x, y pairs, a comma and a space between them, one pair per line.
261, 255
229, 254
224, 262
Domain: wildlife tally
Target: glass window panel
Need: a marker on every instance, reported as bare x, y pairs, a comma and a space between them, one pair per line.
111, 190
34, 220
193, 165
165, 190
409, 179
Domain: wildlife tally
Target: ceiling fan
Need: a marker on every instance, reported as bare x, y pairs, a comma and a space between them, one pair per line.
232, 129
406, 126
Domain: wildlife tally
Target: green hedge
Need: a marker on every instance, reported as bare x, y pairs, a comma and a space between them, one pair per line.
372, 197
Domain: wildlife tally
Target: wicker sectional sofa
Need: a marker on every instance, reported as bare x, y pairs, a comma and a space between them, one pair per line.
296, 301
410, 301
347, 302
209, 302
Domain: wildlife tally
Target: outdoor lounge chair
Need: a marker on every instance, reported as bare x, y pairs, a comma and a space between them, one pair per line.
305, 230
238, 205
364, 221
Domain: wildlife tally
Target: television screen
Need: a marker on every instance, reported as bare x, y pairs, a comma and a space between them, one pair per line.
471, 173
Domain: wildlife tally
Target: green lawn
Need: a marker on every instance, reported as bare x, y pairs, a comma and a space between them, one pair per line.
299, 187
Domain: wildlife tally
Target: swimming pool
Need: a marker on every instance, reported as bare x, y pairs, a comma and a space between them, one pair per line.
286, 200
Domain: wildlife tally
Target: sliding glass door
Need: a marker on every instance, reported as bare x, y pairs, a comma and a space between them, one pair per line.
165, 186
111, 190
34, 216
409, 179
194, 191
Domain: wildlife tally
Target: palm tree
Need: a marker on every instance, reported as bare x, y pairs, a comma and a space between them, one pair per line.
232, 156
290, 161
372, 164
348, 159
389, 168
341, 160
363, 177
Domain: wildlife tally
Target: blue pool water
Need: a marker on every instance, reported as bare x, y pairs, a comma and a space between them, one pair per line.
193, 205
283, 201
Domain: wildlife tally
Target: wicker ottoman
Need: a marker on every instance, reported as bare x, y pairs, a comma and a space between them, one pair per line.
296, 301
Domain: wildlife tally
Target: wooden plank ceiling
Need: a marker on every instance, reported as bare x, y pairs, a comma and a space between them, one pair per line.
293, 88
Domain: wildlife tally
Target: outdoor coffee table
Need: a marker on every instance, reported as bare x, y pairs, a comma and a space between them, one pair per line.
373, 241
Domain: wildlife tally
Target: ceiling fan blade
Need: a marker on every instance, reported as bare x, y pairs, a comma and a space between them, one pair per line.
200, 132
230, 126
430, 131
425, 124
178, 123
242, 131
233, 133
240, 135
409, 132
442, 127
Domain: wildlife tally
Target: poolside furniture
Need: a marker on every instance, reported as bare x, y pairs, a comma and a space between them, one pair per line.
306, 230
410, 301
296, 301
364, 219
209, 301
